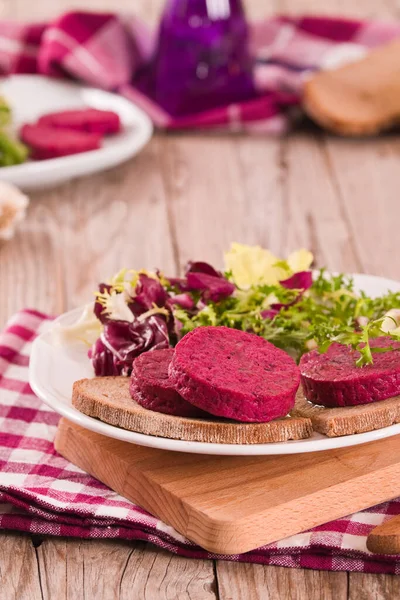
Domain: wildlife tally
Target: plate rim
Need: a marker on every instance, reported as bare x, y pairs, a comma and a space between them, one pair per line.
321, 443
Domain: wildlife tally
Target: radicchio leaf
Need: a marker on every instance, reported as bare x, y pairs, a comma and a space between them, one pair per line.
149, 292
213, 288
102, 360
177, 328
178, 282
183, 300
201, 276
125, 341
298, 281
277, 306
202, 267
98, 307
269, 313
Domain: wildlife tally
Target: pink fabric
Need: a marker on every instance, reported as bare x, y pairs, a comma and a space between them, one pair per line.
42, 493
107, 50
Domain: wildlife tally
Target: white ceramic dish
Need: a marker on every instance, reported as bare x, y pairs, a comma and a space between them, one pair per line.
31, 96
54, 368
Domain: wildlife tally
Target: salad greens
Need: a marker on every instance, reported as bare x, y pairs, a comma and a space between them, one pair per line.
280, 300
12, 151
328, 311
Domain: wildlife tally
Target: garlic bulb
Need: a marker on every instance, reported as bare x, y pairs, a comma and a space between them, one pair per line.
13, 205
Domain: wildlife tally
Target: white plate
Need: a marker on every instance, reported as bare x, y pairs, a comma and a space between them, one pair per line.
31, 96
54, 368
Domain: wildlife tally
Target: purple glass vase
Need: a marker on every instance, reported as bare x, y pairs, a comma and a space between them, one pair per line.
202, 58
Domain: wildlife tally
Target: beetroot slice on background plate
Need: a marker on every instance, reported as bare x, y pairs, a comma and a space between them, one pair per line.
47, 142
89, 120
234, 374
333, 378
151, 388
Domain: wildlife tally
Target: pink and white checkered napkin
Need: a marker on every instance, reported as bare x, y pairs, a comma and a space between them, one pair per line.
107, 50
42, 493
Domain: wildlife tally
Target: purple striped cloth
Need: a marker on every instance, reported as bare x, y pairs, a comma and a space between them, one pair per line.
107, 50
42, 493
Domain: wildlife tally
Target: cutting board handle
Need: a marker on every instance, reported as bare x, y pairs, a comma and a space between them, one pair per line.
385, 539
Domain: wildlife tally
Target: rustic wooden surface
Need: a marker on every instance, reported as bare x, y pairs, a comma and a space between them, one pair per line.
188, 196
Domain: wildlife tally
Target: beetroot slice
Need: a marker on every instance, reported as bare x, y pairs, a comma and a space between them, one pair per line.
46, 142
151, 388
89, 120
234, 374
333, 378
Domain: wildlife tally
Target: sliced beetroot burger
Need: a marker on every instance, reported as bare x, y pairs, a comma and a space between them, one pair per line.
151, 388
47, 142
90, 120
333, 378
234, 374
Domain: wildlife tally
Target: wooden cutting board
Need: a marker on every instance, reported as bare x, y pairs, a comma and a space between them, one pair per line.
231, 505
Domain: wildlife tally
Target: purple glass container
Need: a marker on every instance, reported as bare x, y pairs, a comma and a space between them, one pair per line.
202, 57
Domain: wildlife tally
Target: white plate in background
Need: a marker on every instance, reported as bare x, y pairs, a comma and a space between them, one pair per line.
31, 96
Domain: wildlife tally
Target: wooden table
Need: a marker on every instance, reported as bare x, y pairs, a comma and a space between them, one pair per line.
187, 197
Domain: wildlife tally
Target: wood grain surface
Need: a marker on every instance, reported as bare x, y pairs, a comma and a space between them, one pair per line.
188, 196
234, 504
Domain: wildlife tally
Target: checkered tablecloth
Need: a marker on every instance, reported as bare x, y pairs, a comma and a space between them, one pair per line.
42, 493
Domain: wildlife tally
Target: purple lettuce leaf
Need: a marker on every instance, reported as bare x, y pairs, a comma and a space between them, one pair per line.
98, 308
270, 313
102, 360
124, 341
184, 300
201, 267
149, 291
193, 267
277, 306
201, 277
212, 288
178, 282
298, 281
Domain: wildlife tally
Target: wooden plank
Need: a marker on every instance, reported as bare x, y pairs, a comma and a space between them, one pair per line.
19, 574
315, 218
354, 9
75, 568
110, 220
48, 9
154, 573
58, 570
149, 10
30, 266
125, 224
368, 179
368, 586
280, 194
208, 214
242, 581
111, 570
